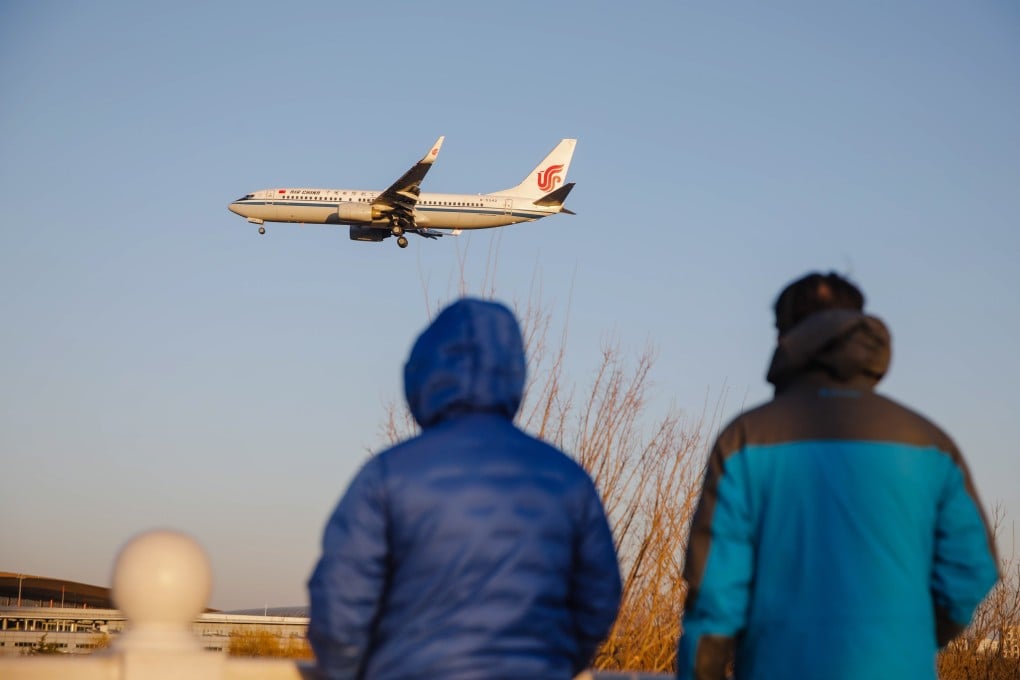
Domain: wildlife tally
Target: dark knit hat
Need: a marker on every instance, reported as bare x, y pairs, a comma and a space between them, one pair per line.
814, 293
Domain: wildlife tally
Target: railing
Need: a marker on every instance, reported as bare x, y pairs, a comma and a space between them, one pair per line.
161, 582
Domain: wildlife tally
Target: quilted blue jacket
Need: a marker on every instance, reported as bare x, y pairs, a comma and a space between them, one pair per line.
472, 550
838, 535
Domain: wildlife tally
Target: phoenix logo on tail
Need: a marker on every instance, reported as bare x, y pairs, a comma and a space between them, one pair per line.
550, 177
403, 208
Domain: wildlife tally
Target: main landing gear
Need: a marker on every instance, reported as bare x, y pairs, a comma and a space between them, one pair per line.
397, 229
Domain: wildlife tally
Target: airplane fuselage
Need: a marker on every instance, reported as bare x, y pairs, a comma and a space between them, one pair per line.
339, 206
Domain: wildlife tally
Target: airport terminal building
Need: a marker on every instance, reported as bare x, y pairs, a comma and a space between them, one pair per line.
74, 618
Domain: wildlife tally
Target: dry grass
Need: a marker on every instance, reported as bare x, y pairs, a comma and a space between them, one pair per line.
648, 471
979, 654
264, 644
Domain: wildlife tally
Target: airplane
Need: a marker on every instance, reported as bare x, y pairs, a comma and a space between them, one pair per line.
403, 208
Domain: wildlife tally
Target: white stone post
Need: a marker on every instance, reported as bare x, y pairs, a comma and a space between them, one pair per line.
161, 582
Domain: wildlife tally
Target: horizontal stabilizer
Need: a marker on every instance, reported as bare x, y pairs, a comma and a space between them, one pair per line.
434, 233
556, 198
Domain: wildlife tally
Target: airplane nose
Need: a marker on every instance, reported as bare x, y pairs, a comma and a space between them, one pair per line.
235, 208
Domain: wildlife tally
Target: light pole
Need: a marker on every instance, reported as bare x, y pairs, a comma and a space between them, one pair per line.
21, 577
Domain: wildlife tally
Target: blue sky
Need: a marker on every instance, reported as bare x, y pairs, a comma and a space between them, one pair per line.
163, 365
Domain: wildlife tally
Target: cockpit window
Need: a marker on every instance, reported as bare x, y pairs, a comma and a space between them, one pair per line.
246, 196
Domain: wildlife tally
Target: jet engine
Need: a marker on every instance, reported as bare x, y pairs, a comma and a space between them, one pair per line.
349, 211
368, 234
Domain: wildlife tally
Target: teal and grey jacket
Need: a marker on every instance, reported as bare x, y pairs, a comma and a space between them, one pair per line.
838, 533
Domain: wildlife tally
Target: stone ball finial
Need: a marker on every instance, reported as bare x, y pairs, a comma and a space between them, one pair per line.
161, 579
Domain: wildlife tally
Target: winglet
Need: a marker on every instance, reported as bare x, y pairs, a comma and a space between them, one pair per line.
430, 157
402, 195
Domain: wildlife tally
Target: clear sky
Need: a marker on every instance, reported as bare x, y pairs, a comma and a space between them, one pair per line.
161, 364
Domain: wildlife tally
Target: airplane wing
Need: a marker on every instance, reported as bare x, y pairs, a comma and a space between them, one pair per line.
399, 200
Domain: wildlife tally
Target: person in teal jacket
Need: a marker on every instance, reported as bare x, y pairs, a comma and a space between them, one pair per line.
838, 534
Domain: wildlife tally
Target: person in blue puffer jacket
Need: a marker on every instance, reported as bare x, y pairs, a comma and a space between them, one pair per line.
838, 535
472, 550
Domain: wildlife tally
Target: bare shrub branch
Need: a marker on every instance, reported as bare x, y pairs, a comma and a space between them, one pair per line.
990, 647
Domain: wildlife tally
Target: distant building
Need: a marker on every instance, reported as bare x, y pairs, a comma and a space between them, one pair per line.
81, 631
78, 618
17, 590
1011, 643
1006, 644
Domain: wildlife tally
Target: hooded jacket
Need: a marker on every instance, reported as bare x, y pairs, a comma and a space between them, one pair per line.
472, 550
838, 534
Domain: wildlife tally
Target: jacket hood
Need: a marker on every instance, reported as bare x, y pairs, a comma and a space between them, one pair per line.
470, 359
848, 345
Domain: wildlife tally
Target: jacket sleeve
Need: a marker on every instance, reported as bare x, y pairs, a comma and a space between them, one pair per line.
718, 570
595, 582
346, 587
965, 566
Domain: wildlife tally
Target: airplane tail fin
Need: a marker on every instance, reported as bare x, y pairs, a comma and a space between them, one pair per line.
547, 175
